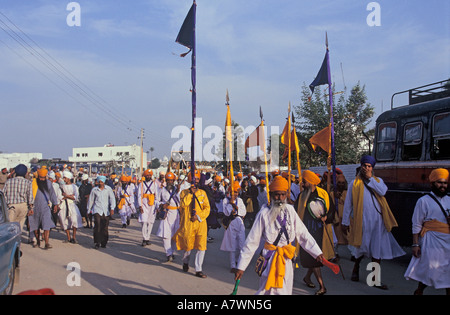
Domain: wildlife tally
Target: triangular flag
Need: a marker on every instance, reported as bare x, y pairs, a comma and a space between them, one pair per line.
186, 35
322, 139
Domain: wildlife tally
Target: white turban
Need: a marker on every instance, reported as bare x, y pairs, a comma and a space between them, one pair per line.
68, 175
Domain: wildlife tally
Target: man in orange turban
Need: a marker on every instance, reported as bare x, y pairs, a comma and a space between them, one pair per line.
146, 196
431, 236
234, 237
313, 207
168, 202
193, 230
278, 275
126, 204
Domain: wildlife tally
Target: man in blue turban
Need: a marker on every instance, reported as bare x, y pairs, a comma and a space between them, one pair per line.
368, 159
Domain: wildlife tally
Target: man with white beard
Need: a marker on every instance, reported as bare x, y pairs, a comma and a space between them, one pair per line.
278, 225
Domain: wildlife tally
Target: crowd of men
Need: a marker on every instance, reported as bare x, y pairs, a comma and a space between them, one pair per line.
297, 220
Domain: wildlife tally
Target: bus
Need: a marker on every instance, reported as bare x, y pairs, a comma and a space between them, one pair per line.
410, 141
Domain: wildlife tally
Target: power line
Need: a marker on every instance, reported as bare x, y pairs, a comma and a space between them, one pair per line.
65, 75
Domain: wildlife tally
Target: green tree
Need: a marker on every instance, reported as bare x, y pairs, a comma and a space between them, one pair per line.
351, 116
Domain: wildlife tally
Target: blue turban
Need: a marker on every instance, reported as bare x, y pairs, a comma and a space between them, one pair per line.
101, 179
21, 170
368, 159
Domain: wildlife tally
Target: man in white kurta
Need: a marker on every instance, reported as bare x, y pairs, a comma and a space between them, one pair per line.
376, 241
126, 203
69, 215
146, 197
169, 226
234, 236
430, 263
266, 228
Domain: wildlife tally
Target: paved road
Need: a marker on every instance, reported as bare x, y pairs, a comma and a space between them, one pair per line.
126, 268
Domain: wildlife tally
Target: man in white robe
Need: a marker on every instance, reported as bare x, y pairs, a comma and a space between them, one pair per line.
169, 198
374, 240
234, 236
147, 194
430, 264
278, 276
126, 203
69, 215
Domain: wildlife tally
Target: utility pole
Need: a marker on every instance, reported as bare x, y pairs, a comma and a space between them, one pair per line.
142, 152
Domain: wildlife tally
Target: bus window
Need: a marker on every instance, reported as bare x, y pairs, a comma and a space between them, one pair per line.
441, 136
412, 141
386, 141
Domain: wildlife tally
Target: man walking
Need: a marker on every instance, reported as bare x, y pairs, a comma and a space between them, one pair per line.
370, 234
146, 197
193, 231
45, 200
19, 196
431, 236
278, 226
101, 205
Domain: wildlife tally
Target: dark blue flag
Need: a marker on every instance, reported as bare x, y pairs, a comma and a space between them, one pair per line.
322, 76
186, 35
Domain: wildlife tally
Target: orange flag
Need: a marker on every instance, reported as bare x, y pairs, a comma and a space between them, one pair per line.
322, 139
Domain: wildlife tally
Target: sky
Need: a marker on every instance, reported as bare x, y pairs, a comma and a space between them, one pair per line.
118, 72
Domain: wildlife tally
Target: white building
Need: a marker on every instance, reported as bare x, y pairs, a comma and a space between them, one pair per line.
110, 155
11, 160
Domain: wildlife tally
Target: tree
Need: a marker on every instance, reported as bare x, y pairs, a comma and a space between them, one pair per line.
351, 117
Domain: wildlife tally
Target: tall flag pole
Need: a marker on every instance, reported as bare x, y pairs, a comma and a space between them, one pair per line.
289, 147
186, 37
324, 77
297, 148
265, 156
229, 141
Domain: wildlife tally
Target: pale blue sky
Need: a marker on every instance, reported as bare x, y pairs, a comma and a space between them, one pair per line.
124, 56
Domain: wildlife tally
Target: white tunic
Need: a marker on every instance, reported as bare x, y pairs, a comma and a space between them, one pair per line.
169, 226
70, 217
149, 212
234, 236
129, 207
433, 266
377, 242
266, 231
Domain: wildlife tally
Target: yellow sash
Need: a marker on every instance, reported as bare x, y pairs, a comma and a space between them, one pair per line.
150, 198
436, 226
35, 188
356, 226
122, 202
278, 266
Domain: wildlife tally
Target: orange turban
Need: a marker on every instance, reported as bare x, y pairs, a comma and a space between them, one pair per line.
197, 175
170, 175
42, 172
236, 187
148, 173
124, 178
437, 174
311, 177
279, 183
